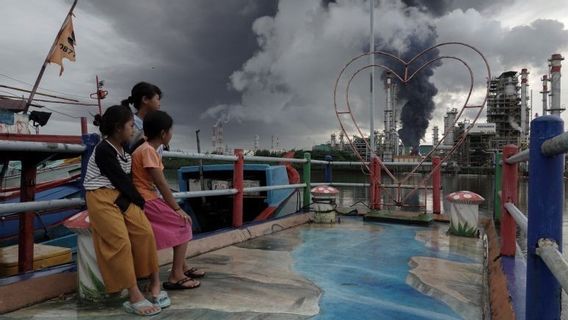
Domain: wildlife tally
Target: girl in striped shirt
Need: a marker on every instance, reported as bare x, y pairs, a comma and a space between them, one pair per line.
122, 236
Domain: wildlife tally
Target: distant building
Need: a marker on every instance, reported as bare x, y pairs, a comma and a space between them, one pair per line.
475, 150
504, 109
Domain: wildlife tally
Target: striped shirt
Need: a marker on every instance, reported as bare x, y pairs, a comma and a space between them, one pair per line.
109, 168
94, 179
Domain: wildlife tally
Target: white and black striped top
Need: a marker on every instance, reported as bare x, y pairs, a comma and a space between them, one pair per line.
109, 168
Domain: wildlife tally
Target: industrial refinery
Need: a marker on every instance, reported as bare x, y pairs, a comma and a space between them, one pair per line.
508, 114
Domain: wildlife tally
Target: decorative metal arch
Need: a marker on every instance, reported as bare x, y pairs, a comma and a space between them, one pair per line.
405, 79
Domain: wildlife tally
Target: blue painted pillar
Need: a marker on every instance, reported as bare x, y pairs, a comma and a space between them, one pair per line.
546, 196
327, 175
90, 141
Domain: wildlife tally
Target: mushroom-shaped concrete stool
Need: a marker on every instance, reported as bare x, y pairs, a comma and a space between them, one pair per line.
91, 286
464, 213
324, 198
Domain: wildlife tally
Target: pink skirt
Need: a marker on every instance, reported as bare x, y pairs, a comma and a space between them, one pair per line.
169, 228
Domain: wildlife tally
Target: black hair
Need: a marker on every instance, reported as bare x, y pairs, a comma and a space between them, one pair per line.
113, 119
139, 91
155, 122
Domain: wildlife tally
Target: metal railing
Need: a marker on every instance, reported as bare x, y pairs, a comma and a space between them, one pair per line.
27, 146
12, 208
519, 217
30, 208
548, 250
547, 269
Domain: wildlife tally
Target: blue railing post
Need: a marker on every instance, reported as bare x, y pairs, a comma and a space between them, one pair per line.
546, 196
327, 170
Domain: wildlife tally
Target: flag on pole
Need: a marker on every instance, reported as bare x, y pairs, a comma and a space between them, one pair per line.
64, 45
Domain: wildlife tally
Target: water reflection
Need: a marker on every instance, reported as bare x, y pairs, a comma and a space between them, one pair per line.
480, 184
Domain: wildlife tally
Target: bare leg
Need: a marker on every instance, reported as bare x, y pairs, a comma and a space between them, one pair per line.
178, 267
178, 263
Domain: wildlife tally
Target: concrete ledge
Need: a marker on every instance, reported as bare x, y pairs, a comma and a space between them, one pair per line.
224, 239
25, 293
28, 292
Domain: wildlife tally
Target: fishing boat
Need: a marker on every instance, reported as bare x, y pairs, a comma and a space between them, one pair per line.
50, 174
215, 213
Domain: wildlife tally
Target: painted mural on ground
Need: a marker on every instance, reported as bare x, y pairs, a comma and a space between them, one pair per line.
349, 270
362, 270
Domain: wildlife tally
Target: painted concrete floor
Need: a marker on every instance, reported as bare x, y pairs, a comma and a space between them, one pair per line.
352, 270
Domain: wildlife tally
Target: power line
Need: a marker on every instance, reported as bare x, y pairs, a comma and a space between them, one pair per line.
61, 102
62, 113
51, 90
10, 93
38, 93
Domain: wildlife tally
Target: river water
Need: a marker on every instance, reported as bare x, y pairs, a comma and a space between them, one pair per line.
480, 184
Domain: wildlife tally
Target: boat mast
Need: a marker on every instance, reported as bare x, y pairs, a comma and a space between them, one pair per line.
46, 61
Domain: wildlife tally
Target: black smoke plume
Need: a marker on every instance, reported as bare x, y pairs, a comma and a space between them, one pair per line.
418, 93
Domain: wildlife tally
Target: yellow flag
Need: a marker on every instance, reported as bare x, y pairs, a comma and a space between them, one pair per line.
64, 46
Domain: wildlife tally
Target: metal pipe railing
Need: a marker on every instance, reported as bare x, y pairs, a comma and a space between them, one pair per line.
41, 146
519, 217
278, 187
349, 184
548, 251
11, 208
272, 159
204, 193
218, 157
348, 163
556, 145
195, 155
518, 157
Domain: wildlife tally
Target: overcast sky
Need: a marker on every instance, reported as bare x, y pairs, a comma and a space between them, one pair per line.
267, 67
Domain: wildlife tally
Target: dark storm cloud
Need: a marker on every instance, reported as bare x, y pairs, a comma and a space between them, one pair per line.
193, 47
441, 7
547, 37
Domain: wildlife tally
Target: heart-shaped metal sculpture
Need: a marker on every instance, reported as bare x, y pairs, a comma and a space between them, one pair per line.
405, 78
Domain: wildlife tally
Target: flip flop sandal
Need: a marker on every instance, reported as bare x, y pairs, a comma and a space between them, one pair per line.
138, 308
179, 285
162, 300
194, 273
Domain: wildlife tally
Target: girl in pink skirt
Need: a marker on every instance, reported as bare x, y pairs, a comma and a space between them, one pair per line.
171, 225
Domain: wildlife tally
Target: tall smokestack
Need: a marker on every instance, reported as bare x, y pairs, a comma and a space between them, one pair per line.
545, 93
435, 138
449, 120
555, 65
389, 136
524, 110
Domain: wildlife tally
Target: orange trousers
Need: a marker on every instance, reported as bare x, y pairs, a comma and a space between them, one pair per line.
124, 242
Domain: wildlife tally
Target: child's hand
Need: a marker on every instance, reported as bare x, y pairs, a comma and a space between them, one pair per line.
184, 215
